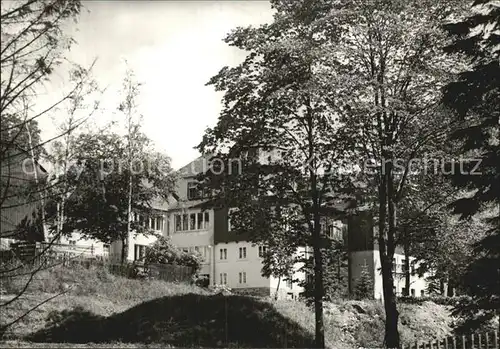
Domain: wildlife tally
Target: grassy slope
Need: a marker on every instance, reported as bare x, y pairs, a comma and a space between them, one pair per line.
103, 308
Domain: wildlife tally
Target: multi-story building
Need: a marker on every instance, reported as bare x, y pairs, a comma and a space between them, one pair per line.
232, 259
228, 258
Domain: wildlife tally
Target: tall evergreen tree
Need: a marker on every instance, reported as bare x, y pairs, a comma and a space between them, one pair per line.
475, 98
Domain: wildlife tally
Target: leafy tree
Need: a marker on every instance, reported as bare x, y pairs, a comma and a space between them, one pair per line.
392, 50
129, 108
98, 206
33, 43
77, 111
474, 97
335, 272
279, 260
279, 102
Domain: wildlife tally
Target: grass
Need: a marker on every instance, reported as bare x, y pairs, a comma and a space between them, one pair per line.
110, 311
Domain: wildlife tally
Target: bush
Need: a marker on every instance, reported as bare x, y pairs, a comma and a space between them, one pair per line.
164, 252
441, 300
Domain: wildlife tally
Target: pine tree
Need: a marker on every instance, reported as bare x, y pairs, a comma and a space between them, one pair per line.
475, 97
364, 287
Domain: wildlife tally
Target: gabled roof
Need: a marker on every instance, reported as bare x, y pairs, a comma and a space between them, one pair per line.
195, 167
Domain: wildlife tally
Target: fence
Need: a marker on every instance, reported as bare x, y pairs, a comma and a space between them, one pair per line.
473, 341
71, 255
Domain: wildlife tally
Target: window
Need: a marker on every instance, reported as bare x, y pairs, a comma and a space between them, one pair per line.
262, 251
223, 278
139, 252
422, 293
196, 249
243, 252
72, 242
200, 220
193, 191
184, 222
140, 219
404, 291
403, 266
289, 282
394, 264
334, 232
168, 226
155, 223
412, 292
159, 223
178, 222
223, 253
206, 221
192, 221
243, 277
105, 247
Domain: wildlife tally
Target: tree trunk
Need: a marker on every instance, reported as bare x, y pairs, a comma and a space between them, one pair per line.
129, 207
407, 264
392, 314
386, 251
391, 324
441, 287
318, 286
124, 251
277, 289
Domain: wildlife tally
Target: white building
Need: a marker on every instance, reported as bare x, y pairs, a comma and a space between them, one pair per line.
229, 259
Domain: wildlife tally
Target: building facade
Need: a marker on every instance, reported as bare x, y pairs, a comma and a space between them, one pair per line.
231, 259
228, 258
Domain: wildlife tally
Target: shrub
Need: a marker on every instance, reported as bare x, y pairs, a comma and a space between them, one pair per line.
164, 252
441, 300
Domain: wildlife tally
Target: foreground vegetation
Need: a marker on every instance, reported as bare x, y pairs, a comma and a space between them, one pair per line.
102, 308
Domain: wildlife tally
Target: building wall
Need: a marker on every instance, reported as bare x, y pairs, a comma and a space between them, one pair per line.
21, 219
97, 247
359, 260
233, 265
363, 250
252, 266
418, 284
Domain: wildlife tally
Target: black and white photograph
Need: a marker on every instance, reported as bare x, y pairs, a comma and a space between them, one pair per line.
250, 174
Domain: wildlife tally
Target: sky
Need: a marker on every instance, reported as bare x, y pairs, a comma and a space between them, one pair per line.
173, 47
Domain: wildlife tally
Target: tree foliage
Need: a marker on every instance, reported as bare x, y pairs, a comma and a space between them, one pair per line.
162, 251
98, 205
474, 96
335, 273
32, 46
279, 101
392, 50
